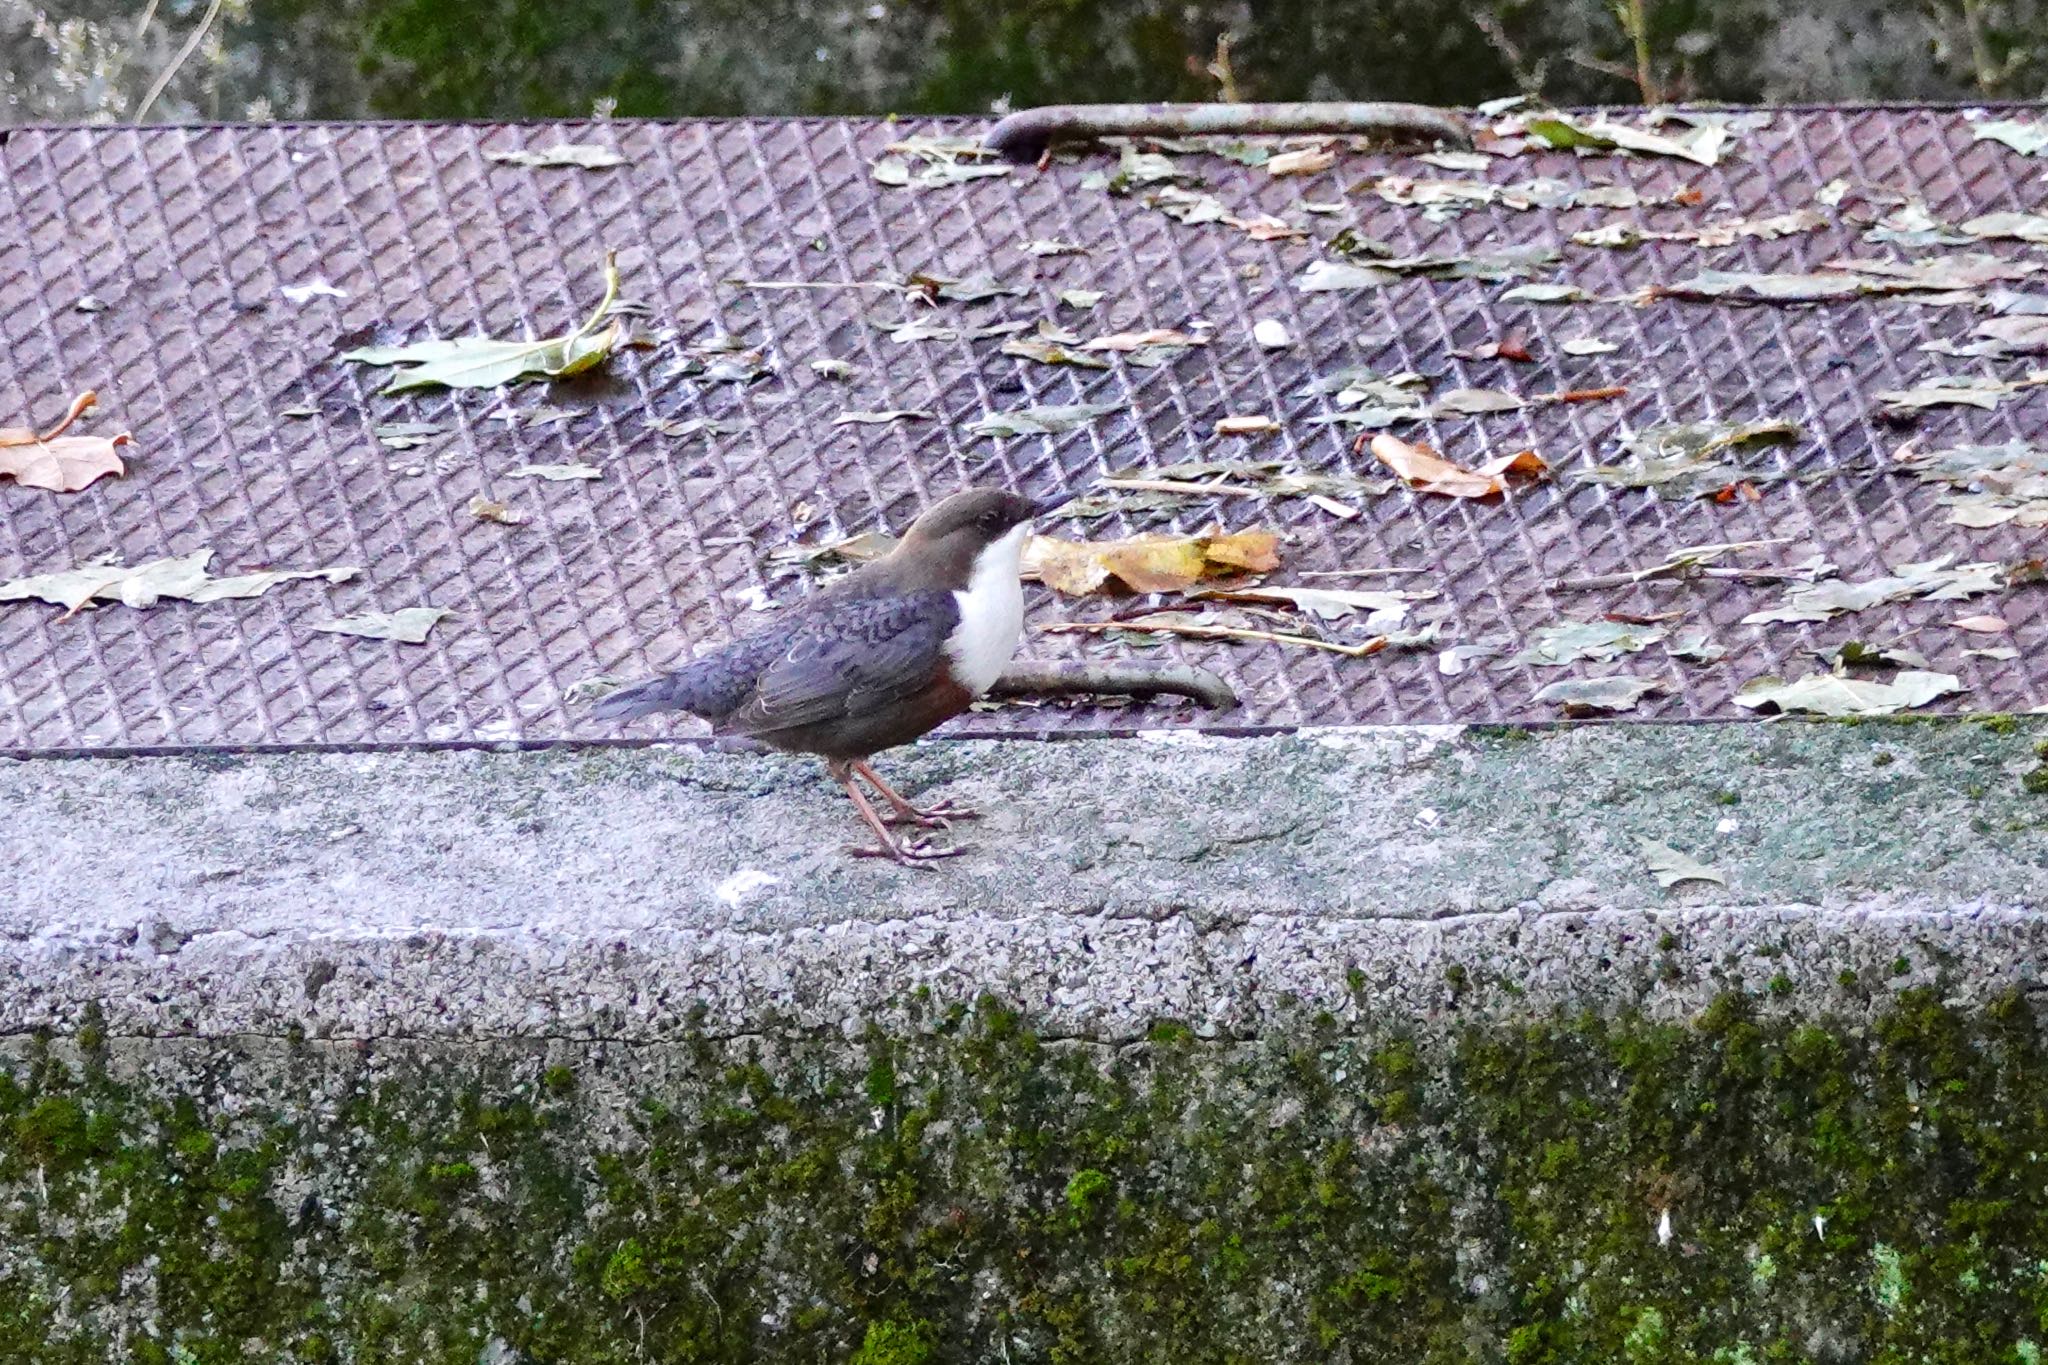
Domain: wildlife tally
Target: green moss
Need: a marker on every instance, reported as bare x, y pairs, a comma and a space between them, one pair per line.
2035, 782
1645, 1340
1999, 723
1085, 1188
897, 1343
963, 1189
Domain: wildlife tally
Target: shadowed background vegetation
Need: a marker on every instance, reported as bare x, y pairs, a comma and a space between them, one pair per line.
238, 59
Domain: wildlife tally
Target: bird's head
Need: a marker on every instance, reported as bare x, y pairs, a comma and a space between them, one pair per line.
972, 528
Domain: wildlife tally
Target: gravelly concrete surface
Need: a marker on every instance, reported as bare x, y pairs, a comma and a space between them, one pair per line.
624, 893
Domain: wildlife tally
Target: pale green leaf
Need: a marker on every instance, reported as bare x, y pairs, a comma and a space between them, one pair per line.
1325, 276
2024, 136
180, 578
975, 288
1041, 421
1932, 580
1696, 647
1828, 694
555, 473
1702, 146
1584, 696
897, 173
1953, 390
683, 429
1543, 293
1670, 867
578, 154
406, 435
1472, 402
931, 329
1385, 608
1052, 353
483, 363
1570, 642
408, 625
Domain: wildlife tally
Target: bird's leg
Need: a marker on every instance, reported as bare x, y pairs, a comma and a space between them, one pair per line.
940, 816
916, 853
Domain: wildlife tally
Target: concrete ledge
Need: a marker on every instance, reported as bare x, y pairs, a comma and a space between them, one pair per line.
624, 894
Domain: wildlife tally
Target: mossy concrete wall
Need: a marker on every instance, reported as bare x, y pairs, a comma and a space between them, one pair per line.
1364, 1047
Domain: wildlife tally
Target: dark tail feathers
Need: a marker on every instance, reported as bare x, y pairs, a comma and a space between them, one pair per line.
664, 693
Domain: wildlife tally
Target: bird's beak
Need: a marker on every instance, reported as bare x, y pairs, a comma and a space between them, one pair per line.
1045, 507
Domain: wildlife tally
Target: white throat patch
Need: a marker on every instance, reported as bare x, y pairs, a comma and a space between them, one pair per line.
991, 613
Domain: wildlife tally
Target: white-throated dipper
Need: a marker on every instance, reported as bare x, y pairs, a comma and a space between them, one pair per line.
874, 660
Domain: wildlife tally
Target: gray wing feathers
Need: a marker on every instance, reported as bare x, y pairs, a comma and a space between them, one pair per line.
843, 655
857, 654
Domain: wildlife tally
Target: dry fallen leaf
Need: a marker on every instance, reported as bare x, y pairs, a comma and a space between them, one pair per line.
1991, 485
1306, 161
1597, 696
1045, 421
1701, 144
1827, 694
1569, 642
1670, 867
885, 415
555, 473
180, 577
485, 363
1149, 563
1246, 426
1980, 625
484, 509
1426, 471
582, 155
1137, 341
836, 554
1385, 608
59, 463
408, 625
1933, 580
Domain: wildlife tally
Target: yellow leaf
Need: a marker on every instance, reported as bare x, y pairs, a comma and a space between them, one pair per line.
1149, 563
1426, 471
61, 464
1252, 551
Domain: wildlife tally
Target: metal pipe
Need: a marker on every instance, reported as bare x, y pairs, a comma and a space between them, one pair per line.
1026, 134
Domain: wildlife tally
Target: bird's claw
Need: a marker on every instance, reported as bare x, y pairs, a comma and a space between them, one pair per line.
940, 816
915, 853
